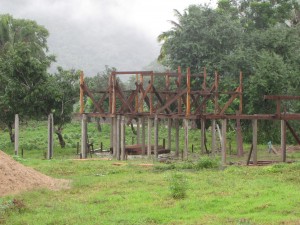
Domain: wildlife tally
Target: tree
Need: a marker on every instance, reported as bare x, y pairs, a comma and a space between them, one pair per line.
23, 68
60, 94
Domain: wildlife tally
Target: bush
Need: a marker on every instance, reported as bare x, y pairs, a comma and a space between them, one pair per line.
207, 163
177, 185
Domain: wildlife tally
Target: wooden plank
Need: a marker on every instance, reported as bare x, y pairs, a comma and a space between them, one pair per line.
122, 138
155, 136
213, 137
186, 138
149, 137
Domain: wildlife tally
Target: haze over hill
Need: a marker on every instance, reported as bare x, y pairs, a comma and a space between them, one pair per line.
90, 34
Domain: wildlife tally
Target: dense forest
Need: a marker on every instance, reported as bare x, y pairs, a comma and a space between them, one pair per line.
259, 37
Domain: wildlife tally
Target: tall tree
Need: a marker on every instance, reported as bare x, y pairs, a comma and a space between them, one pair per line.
23, 68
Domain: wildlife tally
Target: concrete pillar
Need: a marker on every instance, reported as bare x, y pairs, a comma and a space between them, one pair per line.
186, 138
177, 137
50, 136
283, 141
254, 141
224, 128
17, 123
122, 138
169, 133
156, 136
115, 139
149, 137
118, 137
143, 136
202, 136
138, 131
213, 137
83, 135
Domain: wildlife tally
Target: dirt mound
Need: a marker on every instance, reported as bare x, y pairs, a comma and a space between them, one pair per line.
15, 178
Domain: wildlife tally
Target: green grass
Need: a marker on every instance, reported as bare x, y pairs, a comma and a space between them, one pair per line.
103, 193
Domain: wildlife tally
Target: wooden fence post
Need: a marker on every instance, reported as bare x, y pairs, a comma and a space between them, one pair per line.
254, 141
50, 136
17, 123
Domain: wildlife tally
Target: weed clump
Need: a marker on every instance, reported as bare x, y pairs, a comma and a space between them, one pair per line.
177, 185
207, 163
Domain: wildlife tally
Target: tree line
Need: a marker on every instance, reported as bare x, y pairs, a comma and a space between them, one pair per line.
259, 37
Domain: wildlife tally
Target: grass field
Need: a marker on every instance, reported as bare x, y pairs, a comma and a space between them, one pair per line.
104, 193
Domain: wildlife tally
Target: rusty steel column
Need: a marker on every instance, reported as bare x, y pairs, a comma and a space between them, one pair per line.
81, 93
188, 95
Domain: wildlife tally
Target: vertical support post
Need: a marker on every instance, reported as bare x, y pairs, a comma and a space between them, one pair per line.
177, 137
224, 128
83, 135
143, 135
137, 96
118, 137
202, 135
156, 136
122, 138
169, 133
254, 141
204, 79
113, 77
115, 139
138, 131
81, 93
241, 93
216, 92
213, 137
188, 95
239, 138
50, 136
186, 138
151, 94
17, 122
283, 140
178, 90
111, 134
142, 83
149, 137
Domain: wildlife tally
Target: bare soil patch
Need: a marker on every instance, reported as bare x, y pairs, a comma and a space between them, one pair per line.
15, 178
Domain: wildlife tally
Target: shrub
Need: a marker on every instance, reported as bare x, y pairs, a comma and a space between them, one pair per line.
207, 163
177, 185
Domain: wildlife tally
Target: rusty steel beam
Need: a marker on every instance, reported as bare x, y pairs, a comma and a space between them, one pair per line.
281, 97
293, 132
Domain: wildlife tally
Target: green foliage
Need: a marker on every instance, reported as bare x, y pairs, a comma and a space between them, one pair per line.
178, 185
207, 162
23, 68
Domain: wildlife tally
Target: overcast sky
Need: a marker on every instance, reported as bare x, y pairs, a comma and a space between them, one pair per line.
89, 34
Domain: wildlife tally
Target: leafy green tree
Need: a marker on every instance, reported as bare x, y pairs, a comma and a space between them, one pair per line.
59, 96
23, 68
